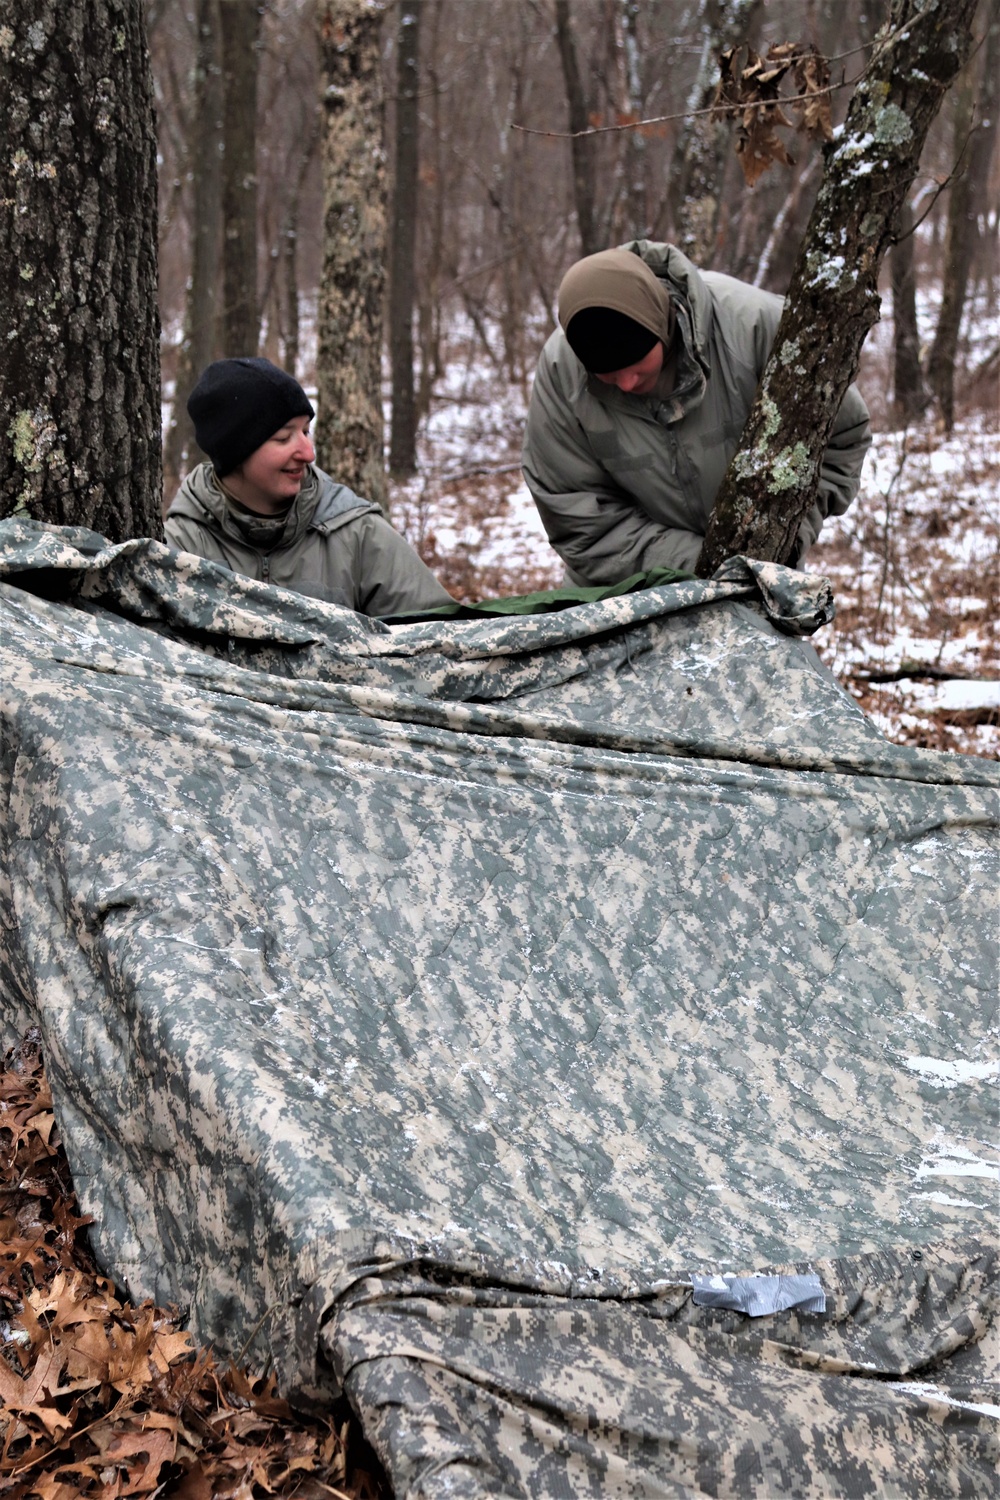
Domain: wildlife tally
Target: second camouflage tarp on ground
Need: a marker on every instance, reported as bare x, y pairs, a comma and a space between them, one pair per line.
426, 1005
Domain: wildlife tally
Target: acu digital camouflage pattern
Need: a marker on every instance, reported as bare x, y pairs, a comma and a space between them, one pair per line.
425, 1004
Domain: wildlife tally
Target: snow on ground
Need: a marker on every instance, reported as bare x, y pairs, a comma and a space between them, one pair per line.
914, 562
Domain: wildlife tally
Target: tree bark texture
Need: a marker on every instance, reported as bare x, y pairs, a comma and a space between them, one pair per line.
349, 365
975, 129
79, 327
402, 245
240, 21
696, 172
205, 156
581, 145
908, 396
833, 299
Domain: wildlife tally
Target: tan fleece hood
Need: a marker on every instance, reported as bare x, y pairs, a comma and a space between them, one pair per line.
622, 281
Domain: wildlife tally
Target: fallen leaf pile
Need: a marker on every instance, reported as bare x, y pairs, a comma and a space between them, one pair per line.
102, 1398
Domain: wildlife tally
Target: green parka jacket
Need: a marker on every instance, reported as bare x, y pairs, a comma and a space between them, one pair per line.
333, 545
624, 482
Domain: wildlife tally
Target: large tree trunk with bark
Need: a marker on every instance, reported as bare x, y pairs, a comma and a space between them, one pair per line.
349, 366
975, 131
79, 328
696, 172
240, 310
833, 299
581, 145
402, 272
198, 340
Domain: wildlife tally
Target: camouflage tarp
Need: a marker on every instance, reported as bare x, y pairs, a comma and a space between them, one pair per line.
425, 1005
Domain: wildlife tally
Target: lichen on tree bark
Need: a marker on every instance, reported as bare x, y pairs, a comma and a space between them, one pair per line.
79, 326
349, 367
833, 298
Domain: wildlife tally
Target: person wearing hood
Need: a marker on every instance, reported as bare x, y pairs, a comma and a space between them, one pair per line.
262, 508
639, 401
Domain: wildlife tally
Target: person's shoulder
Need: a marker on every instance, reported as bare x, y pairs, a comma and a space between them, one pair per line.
337, 505
190, 500
738, 299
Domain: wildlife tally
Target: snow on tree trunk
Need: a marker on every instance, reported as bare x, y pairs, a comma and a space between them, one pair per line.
79, 327
349, 364
833, 298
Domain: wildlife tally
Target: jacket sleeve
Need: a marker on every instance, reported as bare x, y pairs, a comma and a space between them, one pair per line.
840, 470
598, 530
389, 577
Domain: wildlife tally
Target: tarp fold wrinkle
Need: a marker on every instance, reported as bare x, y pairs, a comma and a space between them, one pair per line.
440, 1005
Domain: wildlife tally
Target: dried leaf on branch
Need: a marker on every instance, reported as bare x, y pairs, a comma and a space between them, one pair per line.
812, 85
749, 91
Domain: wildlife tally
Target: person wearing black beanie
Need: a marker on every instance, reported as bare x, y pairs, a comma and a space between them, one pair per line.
238, 404
262, 508
639, 401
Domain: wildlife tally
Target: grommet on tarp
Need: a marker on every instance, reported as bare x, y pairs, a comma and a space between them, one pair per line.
759, 1296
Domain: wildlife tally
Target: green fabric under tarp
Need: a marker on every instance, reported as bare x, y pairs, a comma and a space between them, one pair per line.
546, 601
429, 1003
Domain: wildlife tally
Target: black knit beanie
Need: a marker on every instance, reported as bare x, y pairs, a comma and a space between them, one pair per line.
604, 340
240, 403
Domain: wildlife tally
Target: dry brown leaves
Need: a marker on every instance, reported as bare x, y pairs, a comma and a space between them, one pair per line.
101, 1398
748, 91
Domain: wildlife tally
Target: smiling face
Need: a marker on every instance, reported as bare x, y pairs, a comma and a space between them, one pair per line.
269, 480
638, 379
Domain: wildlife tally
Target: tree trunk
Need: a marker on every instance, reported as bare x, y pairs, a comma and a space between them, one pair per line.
581, 145
198, 342
349, 366
697, 168
79, 328
833, 299
908, 396
973, 139
240, 310
402, 273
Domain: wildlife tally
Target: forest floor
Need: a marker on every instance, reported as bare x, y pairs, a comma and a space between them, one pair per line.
915, 562
102, 1398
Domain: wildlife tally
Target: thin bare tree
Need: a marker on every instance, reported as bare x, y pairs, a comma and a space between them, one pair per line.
200, 309
581, 145
240, 27
975, 133
402, 243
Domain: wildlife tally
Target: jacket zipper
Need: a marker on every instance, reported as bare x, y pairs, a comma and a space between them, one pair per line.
266, 567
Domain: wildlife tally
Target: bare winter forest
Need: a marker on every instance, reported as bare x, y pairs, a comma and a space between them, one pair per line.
488, 198
482, 147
